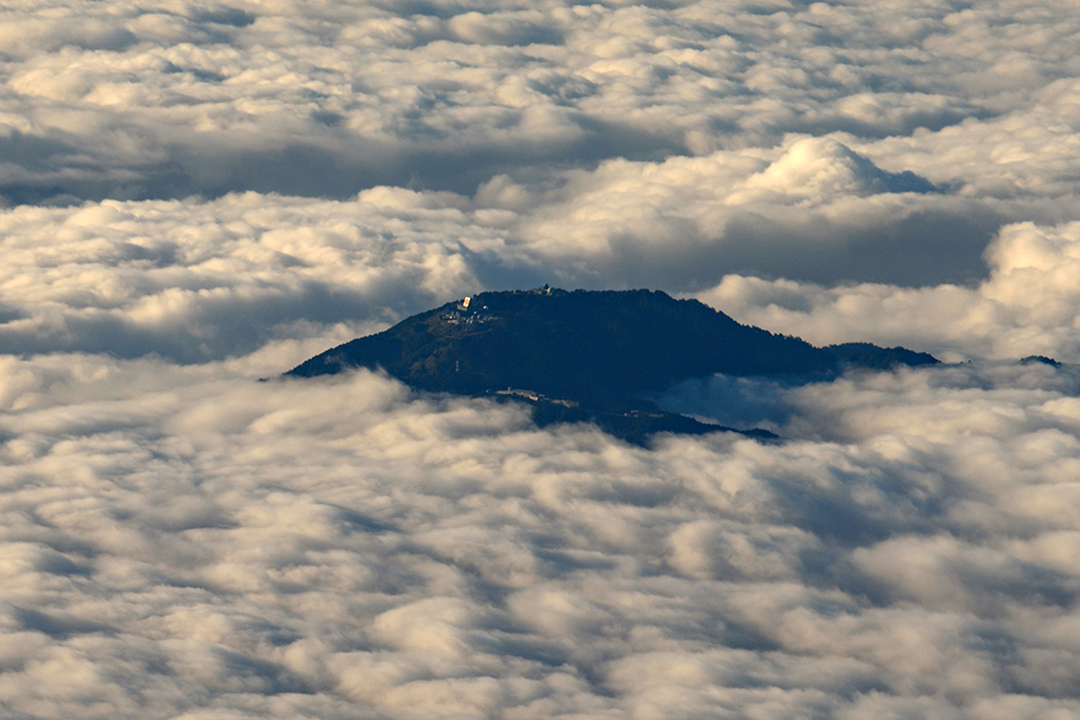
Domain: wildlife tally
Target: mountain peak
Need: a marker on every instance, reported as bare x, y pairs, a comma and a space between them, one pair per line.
591, 351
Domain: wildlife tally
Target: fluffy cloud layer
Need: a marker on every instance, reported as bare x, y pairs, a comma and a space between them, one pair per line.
192, 543
195, 281
199, 195
164, 99
878, 142
180, 540
1026, 307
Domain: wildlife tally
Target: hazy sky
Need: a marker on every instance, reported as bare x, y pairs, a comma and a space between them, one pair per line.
198, 195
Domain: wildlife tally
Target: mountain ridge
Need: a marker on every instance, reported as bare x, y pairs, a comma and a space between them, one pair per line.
592, 353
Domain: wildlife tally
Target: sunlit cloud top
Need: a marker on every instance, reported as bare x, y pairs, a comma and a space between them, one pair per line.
198, 196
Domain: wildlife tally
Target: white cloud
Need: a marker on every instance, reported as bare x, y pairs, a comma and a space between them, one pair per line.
808, 209
193, 280
179, 540
162, 100
190, 541
197, 280
500, 99
1025, 307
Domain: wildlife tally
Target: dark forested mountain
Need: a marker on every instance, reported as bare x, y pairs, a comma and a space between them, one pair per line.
588, 355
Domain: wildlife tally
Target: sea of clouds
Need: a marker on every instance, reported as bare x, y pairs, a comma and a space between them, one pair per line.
199, 195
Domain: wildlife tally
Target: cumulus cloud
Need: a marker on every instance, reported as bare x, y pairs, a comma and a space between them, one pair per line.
830, 143
1025, 307
201, 280
197, 280
809, 209
199, 195
145, 99
190, 541
194, 281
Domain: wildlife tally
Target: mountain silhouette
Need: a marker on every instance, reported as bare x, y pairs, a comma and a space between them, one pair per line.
588, 355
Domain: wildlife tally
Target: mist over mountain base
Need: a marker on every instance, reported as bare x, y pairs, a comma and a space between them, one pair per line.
189, 542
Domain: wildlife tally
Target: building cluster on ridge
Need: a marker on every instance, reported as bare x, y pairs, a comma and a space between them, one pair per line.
536, 397
468, 313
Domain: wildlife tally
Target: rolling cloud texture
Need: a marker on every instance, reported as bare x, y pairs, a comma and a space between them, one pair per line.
198, 195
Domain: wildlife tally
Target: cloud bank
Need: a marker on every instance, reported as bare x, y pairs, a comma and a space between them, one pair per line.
833, 143
147, 99
198, 195
1026, 307
190, 543
201, 281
